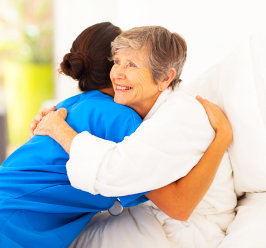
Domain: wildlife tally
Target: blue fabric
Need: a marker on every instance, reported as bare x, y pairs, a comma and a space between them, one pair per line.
133, 200
38, 206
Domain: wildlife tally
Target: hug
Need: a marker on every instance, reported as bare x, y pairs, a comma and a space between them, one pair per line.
131, 137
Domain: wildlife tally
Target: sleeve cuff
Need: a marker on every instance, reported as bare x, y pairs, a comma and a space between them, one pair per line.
85, 147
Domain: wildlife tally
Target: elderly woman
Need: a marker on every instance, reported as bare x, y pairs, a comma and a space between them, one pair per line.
172, 139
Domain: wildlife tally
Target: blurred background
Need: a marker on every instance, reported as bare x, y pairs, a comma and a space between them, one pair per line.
35, 35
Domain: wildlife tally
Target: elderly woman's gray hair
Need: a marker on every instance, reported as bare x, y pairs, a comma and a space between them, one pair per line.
165, 49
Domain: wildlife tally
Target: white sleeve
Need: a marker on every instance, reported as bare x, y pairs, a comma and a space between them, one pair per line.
162, 150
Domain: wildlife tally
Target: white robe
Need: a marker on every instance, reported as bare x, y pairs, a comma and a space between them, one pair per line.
166, 146
169, 142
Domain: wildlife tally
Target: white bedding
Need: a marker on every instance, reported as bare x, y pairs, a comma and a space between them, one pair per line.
238, 85
135, 227
147, 226
248, 230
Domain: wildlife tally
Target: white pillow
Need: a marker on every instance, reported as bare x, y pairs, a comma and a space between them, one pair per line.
238, 85
248, 228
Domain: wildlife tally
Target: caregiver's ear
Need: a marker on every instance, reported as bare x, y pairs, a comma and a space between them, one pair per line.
165, 82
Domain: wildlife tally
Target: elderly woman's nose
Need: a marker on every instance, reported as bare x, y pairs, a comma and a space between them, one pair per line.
119, 72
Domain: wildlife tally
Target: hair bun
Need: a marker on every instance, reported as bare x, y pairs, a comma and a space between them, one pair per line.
75, 65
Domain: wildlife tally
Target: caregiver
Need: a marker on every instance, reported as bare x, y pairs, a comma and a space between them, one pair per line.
172, 139
38, 206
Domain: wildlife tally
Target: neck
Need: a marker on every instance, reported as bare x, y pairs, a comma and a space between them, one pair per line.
108, 91
145, 108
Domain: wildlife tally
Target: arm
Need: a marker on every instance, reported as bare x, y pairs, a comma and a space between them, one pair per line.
180, 198
164, 148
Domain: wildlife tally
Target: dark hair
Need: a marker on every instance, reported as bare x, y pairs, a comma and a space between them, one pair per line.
88, 60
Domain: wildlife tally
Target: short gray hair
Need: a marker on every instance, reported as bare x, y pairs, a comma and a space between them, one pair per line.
165, 49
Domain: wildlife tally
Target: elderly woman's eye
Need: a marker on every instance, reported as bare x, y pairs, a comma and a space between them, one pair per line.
116, 61
131, 64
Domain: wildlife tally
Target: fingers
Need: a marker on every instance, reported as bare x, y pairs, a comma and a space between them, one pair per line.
31, 134
202, 100
213, 112
199, 98
34, 124
45, 111
31, 130
50, 122
62, 112
208, 106
37, 119
43, 122
217, 118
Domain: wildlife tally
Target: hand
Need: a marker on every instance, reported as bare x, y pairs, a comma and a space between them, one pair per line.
54, 125
51, 122
218, 120
37, 118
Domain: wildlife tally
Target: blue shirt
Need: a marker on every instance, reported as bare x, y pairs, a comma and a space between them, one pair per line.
38, 206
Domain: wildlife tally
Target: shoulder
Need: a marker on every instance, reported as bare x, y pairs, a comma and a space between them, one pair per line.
69, 101
180, 105
97, 113
123, 113
121, 120
114, 112
181, 115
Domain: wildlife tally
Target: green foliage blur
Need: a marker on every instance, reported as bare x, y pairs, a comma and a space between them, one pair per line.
26, 31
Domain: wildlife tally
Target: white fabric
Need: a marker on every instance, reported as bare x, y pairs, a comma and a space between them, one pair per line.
249, 227
165, 146
238, 85
135, 227
147, 226
207, 225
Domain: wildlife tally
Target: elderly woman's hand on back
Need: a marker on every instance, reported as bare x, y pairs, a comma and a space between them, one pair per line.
37, 118
218, 121
51, 122
54, 125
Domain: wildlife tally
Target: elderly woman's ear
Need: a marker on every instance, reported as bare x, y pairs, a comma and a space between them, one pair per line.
165, 82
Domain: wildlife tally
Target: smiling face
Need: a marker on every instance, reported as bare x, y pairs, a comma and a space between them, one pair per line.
132, 81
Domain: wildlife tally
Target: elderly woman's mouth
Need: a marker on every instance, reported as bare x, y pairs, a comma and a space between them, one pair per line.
122, 87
